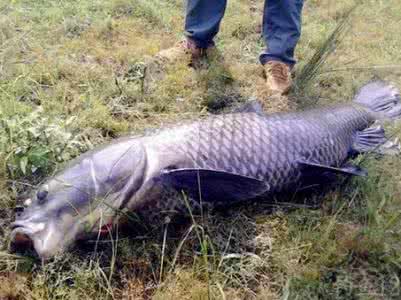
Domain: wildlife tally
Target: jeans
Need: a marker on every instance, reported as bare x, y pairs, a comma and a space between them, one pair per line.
281, 26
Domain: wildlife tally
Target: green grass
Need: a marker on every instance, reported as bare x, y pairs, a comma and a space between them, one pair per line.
71, 77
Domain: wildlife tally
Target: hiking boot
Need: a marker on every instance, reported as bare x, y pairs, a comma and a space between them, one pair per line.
278, 77
185, 50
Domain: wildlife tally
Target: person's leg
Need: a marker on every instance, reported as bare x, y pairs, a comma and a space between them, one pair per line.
281, 30
202, 20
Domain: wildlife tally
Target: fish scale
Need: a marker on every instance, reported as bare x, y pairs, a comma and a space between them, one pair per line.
264, 147
267, 147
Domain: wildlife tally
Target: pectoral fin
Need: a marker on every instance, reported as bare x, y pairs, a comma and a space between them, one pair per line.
347, 169
211, 185
252, 106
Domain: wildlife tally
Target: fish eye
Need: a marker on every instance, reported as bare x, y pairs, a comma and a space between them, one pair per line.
27, 202
42, 194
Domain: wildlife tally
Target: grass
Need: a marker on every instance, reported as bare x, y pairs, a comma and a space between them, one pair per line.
71, 77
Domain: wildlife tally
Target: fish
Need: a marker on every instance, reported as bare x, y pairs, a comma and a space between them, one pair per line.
217, 160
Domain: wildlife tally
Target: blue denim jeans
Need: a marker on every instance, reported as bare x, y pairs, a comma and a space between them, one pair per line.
281, 26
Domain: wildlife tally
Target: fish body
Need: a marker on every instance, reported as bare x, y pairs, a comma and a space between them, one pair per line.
220, 159
251, 145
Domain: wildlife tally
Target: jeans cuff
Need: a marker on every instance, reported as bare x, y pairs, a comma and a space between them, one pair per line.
266, 57
199, 43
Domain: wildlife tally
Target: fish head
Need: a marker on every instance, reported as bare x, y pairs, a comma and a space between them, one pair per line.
53, 217
75, 204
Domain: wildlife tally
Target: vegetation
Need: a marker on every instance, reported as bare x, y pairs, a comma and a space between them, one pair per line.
72, 77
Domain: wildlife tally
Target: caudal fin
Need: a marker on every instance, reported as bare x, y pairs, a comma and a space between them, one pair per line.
380, 97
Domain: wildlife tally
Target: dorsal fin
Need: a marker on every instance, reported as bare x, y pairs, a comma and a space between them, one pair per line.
252, 106
380, 97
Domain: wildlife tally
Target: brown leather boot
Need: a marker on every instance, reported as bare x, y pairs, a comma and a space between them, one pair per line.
185, 50
278, 77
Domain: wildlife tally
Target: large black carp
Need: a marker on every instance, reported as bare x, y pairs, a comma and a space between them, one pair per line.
220, 159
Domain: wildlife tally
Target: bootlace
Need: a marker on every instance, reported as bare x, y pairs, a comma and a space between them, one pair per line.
189, 46
184, 44
279, 71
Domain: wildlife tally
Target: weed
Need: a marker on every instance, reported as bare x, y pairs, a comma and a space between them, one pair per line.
34, 145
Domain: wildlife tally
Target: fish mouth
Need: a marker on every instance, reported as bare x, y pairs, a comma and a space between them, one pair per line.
45, 238
34, 238
40, 239
23, 240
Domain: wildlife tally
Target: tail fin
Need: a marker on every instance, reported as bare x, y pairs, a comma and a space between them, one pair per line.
380, 97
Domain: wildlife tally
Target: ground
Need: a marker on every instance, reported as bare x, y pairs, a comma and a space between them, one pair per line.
72, 77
